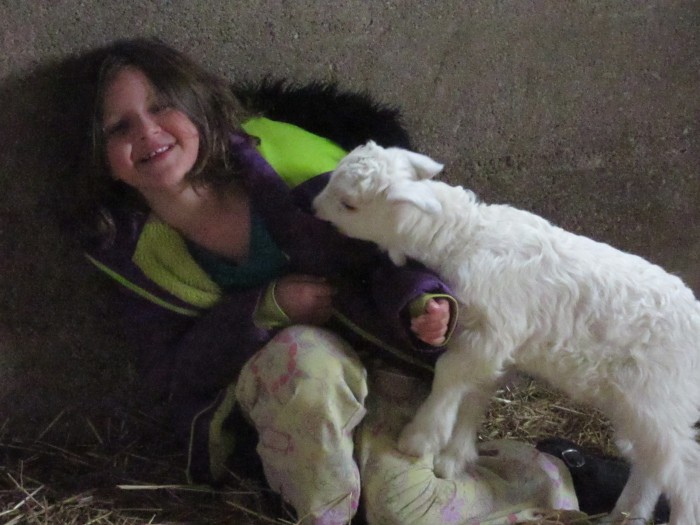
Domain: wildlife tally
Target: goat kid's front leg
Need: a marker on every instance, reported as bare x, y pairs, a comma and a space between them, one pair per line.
432, 426
637, 500
461, 448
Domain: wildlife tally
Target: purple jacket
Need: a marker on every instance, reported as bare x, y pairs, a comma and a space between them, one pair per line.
189, 355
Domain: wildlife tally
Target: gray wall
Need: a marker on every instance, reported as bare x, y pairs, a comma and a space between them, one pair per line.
586, 112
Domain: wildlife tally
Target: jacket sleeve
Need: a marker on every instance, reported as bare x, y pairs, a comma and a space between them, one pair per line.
213, 350
399, 290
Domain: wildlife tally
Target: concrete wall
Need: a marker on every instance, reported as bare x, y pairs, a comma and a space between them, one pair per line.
586, 112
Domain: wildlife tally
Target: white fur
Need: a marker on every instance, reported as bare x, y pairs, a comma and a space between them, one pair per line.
606, 327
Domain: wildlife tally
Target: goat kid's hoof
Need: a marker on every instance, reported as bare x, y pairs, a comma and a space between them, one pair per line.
450, 463
415, 443
447, 466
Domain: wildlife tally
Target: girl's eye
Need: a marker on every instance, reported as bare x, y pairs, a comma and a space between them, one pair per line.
159, 107
347, 206
118, 128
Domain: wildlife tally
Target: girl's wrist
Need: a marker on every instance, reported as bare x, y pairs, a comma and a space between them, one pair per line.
269, 314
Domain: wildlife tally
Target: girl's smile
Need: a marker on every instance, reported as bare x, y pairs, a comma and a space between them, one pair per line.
157, 154
149, 144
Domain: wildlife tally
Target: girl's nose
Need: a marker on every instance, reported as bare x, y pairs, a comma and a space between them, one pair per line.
148, 126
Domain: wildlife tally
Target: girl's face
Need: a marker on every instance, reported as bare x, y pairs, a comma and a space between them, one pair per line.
150, 145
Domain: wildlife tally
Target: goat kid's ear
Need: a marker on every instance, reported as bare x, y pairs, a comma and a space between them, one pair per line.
426, 168
414, 193
397, 257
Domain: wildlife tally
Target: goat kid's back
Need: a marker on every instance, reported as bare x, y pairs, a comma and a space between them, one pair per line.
551, 291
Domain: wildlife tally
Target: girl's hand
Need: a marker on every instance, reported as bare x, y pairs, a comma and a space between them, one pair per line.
306, 299
431, 326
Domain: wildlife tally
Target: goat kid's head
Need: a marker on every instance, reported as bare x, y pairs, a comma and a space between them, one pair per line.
363, 194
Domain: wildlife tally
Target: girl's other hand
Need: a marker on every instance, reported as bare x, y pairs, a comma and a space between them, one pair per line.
306, 299
431, 326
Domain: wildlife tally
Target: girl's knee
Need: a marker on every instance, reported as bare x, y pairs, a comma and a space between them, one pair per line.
306, 369
311, 344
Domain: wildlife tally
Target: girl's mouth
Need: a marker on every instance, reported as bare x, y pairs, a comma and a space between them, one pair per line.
157, 152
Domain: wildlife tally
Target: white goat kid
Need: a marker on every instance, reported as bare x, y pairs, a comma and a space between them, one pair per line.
606, 327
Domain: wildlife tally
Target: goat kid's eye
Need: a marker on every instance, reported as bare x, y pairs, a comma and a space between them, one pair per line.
347, 206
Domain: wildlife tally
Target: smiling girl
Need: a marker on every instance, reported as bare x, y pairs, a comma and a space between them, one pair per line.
245, 308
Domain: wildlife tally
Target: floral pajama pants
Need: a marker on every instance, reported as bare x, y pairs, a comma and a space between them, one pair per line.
324, 442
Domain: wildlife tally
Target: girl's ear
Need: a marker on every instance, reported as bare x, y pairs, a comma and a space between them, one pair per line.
415, 193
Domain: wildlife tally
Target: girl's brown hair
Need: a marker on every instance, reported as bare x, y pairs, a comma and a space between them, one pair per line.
205, 98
